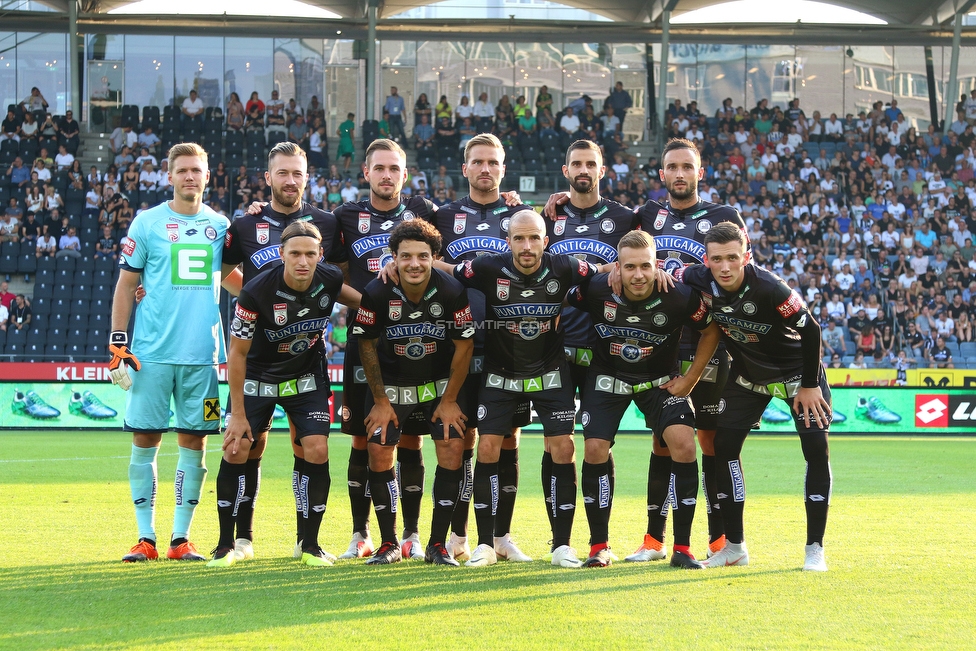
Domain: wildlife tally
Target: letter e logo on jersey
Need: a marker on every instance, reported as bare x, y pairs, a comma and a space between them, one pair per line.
560, 226
396, 310
281, 313
931, 410
364, 222
609, 310
460, 221
503, 289
662, 216
173, 231
262, 233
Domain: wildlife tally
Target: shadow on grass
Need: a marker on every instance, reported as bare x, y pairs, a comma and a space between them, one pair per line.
81, 605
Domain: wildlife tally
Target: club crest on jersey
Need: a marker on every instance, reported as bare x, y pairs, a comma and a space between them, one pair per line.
262, 233
396, 310
210, 232
749, 307
607, 226
703, 226
609, 310
436, 310
364, 218
173, 231
560, 226
662, 216
659, 319
408, 215
552, 287
504, 224
460, 221
503, 289
280, 313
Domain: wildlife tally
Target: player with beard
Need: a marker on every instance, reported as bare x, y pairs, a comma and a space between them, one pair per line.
588, 227
775, 347
366, 227
253, 243
636, 360
471, 226
679, 226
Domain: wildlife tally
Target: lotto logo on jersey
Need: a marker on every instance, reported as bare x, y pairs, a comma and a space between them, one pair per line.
366, 317
280, 313
364, 218
560, 226
503, 289
662, 216
460, 221
263, 233
609, 310
396, 310
790, 306
173, 232
245, 314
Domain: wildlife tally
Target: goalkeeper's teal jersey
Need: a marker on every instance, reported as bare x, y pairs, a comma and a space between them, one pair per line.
178, 256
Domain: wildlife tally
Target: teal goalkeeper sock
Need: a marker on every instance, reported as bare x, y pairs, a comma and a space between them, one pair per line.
190, 473
142, 483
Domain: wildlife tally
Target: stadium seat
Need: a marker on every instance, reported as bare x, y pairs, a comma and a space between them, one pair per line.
40, 304
96, 353
66, 264
85, 263
54, 351
75, 350
42, 290
27, 263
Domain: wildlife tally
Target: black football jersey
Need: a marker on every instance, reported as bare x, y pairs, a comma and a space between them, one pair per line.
638, 341
366, 234
759, 322
679, 235
470, 229
589, 234
254, 239
522, 337
285, 327
415, 339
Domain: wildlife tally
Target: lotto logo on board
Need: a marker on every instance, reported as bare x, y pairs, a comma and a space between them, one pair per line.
943, 410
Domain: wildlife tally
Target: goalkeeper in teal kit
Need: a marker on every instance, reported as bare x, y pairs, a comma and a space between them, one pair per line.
174, 251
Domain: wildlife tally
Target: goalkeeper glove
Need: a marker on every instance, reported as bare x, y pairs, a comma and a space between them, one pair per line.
121, 356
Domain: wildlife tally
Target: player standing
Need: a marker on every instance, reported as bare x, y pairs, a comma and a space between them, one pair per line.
415, 342
174, 250
775, 347
524, 291
277, 357
253, 242
636, 360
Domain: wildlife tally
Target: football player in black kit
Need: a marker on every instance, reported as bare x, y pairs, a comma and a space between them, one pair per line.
415, 341
524, 291
366, 227
276, 357
775, 346
471, 226
678, 227
252, 242
588, 227
636, 359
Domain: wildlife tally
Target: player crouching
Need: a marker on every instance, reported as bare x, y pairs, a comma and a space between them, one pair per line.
276, 358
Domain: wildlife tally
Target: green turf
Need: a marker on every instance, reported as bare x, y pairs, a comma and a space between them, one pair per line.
898, 545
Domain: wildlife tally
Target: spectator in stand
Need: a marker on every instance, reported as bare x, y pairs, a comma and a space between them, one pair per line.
254, 119
235, 113
10, 128
148, 178
254, 102
611, 123
192, 111
28, 128
292, 111
275, 115
122, 137
46, 245
20, 314
349, 193
423, 133
68, 131
298, 131
421, 108
484, 113
314, 111
396, 108
70, 245
347, 134
34, 102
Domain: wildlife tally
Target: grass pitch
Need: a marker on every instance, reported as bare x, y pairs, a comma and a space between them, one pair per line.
899, 547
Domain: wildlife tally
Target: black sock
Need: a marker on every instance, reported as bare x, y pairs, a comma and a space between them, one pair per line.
230, 493
296, 488
252, 484
459, 521
383, 486
508, 479
817, 486
444, 494
316, 482
485, 500
710, 490
731, 481
357, 479
597, 499
658, 485
547, 483
563, 495
684, 487
410, 478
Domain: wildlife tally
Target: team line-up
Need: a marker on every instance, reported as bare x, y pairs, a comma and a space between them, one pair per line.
667, 312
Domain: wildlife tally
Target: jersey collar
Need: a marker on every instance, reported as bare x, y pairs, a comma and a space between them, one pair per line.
681, 214
582, 213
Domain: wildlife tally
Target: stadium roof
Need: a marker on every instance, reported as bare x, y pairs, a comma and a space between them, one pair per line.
909, 22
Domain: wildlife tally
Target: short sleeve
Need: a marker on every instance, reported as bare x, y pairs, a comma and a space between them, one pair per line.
699, 317
576, 297
789, 305
136, 248
463, 321
233, 254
